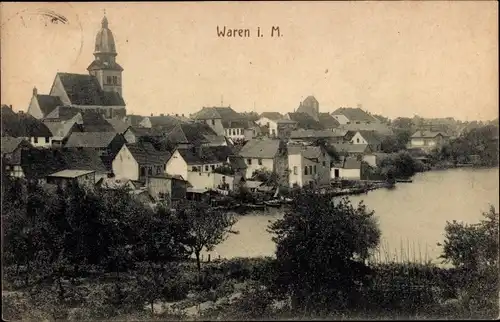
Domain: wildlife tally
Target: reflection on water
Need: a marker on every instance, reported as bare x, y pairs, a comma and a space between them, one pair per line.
412, 216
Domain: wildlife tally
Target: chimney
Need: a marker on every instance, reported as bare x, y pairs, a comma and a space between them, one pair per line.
161, 114
176, 114
182, 115
151, 114
10, 106
35, 91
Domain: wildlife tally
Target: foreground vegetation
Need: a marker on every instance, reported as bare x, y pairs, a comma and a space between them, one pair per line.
81, 254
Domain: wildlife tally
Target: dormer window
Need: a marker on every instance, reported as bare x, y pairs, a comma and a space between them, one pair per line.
108, 80
115, 80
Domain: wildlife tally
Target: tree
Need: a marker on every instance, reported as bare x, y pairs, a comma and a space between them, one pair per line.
203, 227
473, 250
321, 248
266, 176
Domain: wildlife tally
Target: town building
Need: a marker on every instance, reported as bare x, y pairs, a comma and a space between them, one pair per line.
428, 140
225, 121
264, 154
134, 134
304, 121
104, 143
310, 106
308, 165
372, 138
99, 90
167, 188
276, 126
137, 161
25, 126
349, 115
84, 178
347, 168
328, 122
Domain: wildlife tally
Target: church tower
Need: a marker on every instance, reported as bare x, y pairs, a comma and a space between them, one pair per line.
104, 66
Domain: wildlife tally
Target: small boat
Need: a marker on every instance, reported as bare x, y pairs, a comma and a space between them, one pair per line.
254, 206
273, 203
404, 180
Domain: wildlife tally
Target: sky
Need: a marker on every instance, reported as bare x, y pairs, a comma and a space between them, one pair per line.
398, 59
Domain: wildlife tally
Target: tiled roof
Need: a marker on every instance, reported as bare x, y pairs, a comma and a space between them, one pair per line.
225, 113
38, 163
22, 125
90, 139
371, 137
236, 124
351, 148
143, 131
190, 133
201, 155
272, 115
61, 129
328, 121
256, 148
133, 120
305, 121
10, 144
374, 126
309, 152
85, 90
120, 126
355, 114
164, 121
48, 103
62, 113
99, 64
145, 153
427, 134
301, 134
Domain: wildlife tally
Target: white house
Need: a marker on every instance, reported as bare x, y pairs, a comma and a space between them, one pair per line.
137, 161
308, 164
371, 138
196, 164
347, 169
260, 155
349, 115
428, 140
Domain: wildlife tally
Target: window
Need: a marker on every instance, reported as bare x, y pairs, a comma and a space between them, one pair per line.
164, 167
310, 169
357, 140
305, 171
35, 140
115, 80
357, 122
108, 80
143, 171
249, 161
294, 170
260, 161
195, 169
47, 140
324, 163
213, 122
150, 171
158, 170
206, 168
314, 168
213, 167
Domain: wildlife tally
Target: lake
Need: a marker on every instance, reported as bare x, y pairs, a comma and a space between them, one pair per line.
412, 216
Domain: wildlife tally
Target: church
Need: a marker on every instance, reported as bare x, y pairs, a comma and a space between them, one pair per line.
100, 90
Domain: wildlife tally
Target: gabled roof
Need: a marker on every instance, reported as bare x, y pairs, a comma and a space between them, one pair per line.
256, 148
10, 144
305, 121
164, 121
83, 89
352, 148
236, 124
119, 126
48, 103
328, 121
372, 137
313, 134
355, 114
373, 126
308, 151
38, 163
190, 133
62, 113
428, 134
204, 155
225, 113
22, 125
61, 129
272, 115
145, 153
90, 139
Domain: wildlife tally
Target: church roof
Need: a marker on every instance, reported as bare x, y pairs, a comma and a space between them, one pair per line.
84, 89
104, 40
99, 64
48, 103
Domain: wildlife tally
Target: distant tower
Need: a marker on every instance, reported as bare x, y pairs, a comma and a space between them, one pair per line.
104, 66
